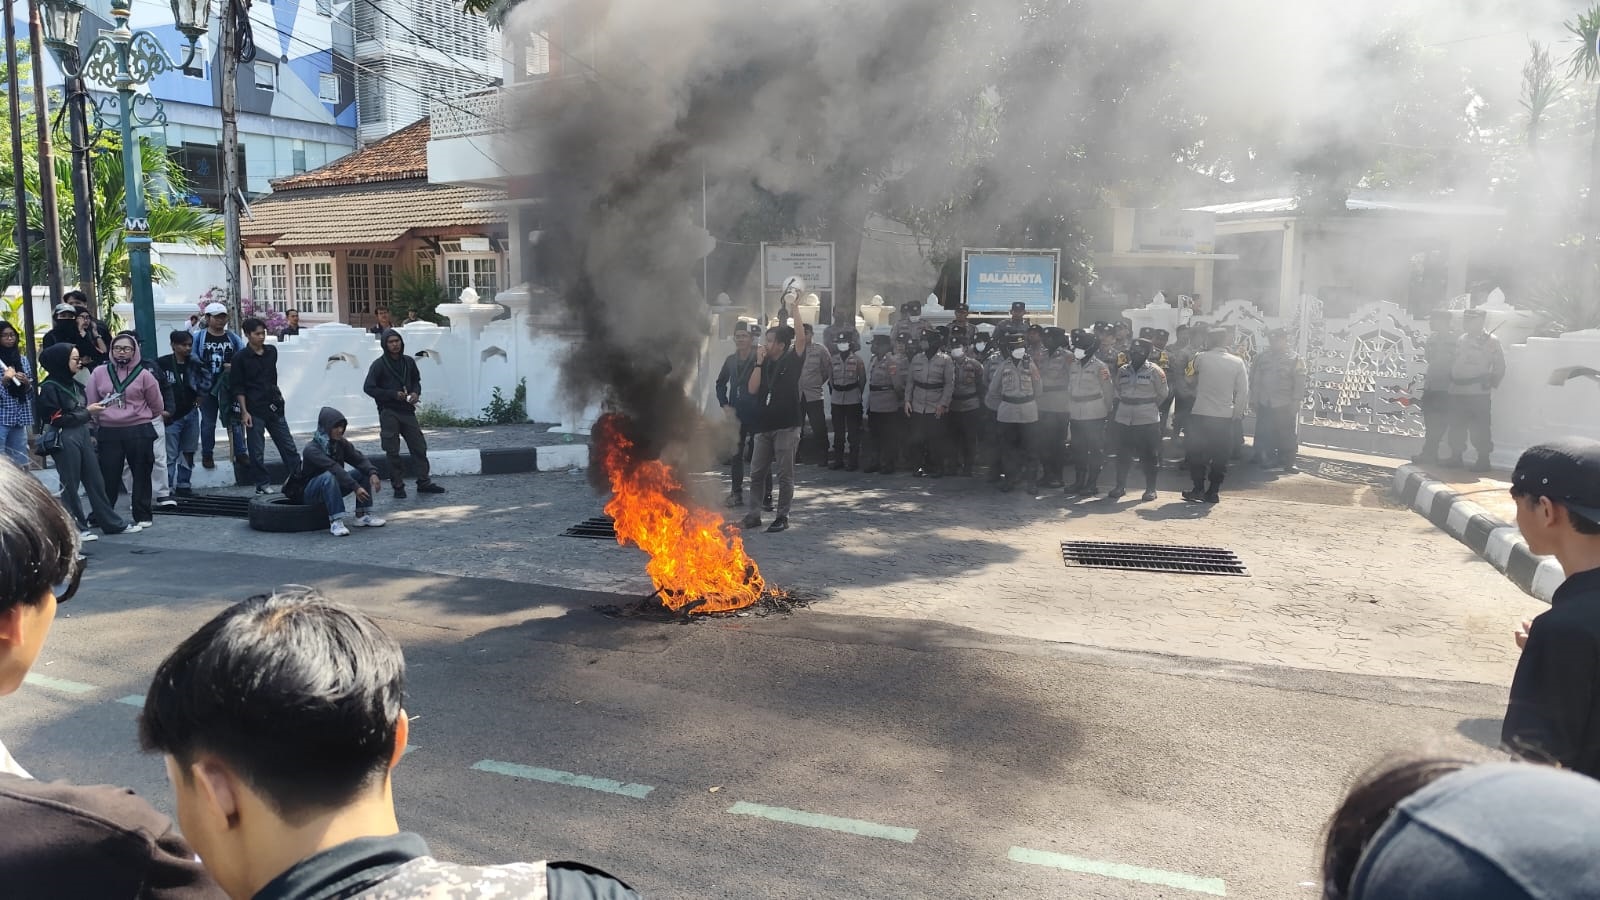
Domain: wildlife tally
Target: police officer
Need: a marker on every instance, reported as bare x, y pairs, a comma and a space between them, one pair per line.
1478, 367
1013, 393
986, 348
1441, 355
1108, 351
931, 383
961, 318
1277, 389
1017, 324
1090, 395
1035, 339
885, 404
1222, 394
843, 320
847, 379
815, 368
966, 406
908, 325
1160, 337
1141, 386
1055, 370
1182, 386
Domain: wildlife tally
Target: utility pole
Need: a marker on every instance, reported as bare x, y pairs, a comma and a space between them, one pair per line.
47, 162
82, 189
24, 268
228, 54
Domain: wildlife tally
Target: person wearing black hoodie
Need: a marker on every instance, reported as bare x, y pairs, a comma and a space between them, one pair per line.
61, 403
69, 325
324, 475
395, 384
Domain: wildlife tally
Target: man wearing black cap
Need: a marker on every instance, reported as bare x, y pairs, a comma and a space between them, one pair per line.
1554, 711
1277, 388
1476, 370
1140, 387
931, 385
886, 375
1017, 324
908, 325
1055, 368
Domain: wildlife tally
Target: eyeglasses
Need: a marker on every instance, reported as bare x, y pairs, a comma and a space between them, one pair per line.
64, 591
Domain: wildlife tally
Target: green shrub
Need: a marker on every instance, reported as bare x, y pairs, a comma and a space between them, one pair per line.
500, 411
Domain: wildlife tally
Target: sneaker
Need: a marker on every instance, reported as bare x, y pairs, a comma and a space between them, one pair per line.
781, 523
184, 491
430, 487
148, 524
750, 521
369, 521
337, 528
734, 501
1291, 469
135, 528
1147, 496
168, 501
1117, 493
1212, 497
266, 489
400, 491
766, 505
87, 536
1194, 496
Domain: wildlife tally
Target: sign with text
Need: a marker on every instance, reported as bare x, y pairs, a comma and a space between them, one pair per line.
1174, 230
811, 262
994, 279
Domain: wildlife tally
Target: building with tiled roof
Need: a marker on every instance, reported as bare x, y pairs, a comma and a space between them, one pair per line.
334, 241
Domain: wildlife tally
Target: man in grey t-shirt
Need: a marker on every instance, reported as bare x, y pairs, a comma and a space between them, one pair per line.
1221, 396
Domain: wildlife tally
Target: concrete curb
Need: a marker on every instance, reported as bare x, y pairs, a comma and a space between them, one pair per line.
501, 461
1487, 536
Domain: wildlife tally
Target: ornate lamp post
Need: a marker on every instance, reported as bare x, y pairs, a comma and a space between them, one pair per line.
126, 60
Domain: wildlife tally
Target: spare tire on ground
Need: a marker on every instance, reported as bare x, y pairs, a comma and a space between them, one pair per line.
277, 513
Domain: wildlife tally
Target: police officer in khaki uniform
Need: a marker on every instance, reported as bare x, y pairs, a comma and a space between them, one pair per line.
814, 370
1055, 368
886, 416
1441, 355
1013, 393
908, 325
1090, 396
966, 405
1182, 385
931, 383
1017, 324
987, 348
1141, 387
1478, 367
846, 383
1277, 388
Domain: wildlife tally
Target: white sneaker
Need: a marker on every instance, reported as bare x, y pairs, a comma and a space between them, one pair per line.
135, 528
369, 521
167, 501
87, 536
145, 524
338, 529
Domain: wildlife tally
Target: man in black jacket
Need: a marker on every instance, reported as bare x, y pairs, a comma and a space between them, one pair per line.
66, 840
731, 396
775, 382
1554, 711
179, 373
254, 382
282, 721
325, 475
396, 384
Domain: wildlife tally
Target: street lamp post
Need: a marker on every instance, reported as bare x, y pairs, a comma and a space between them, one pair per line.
126, 59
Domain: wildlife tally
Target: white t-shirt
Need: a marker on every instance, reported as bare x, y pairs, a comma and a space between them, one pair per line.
9, 764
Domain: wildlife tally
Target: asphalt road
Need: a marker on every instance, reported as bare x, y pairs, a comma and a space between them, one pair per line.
816, 755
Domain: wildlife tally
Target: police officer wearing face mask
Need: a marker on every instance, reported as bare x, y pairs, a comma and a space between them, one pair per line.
886, 381
1055, 368
845, 387
1141, 387
1475, 371
966, 406
1089, 396
985, 347
1014, 395
909, 323
932, 384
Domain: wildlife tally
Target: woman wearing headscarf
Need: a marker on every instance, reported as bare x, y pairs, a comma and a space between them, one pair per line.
129, 398
61, 403
16, 396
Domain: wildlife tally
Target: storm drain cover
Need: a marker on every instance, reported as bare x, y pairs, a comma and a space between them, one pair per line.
1152, 558
209, 505
598, 528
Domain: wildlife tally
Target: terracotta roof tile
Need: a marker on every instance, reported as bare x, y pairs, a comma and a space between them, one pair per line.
365, 214
397, 157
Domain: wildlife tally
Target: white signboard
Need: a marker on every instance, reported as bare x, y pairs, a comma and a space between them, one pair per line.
811, 262
1174, 231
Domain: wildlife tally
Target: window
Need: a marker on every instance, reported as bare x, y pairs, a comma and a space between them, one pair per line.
382, 283
358, 289
269, 283
536, 56
325, 8
328, 87
313, 287
267, 76
297, 158
481, 273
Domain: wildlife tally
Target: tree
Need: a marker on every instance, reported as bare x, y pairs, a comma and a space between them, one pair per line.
1584, 65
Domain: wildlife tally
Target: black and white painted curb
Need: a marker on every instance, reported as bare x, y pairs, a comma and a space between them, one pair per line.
1489, 537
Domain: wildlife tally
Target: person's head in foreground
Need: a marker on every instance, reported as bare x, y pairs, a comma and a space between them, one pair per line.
1449, 829
39, 568
281, 723
1557, 489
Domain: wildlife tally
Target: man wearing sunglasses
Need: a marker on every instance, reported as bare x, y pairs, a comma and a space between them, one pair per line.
77, 841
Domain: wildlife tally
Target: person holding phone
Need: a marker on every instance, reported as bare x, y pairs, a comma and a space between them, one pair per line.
61, 403
129, 398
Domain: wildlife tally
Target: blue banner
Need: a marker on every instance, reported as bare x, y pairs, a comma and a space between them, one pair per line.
996, 280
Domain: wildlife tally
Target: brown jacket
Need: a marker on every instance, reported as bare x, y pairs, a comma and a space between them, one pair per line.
99, 841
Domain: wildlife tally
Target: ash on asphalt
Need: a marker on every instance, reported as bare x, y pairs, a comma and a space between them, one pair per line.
649, 608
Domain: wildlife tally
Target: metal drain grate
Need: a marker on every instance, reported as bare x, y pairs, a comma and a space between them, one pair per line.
598, 528
209, 505
1152, 558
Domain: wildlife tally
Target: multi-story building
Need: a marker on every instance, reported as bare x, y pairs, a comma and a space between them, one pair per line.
408, 54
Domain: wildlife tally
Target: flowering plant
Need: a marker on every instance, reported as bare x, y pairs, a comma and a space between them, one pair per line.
248, 308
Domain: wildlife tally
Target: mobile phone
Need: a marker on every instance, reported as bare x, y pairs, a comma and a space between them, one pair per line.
111, 399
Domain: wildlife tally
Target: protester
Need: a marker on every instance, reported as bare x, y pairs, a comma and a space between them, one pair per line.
281, 722
775, 380
129, 397
65, 840
323, 475
61, 403
254, 382
384, 323
215, 346
734, 397
395, 383
16, 396
1448, 829
1554, 710
291, 324
73, 326
181, 372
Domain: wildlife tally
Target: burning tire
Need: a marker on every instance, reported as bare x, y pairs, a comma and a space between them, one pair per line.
281, 515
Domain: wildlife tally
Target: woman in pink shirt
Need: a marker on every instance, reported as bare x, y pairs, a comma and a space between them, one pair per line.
131, 398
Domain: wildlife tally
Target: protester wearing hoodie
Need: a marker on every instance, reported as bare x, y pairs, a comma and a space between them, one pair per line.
325, 475
129, 397
16, 396
180, 371
396, 384
160, 481
69, 325
61, 403
261, 408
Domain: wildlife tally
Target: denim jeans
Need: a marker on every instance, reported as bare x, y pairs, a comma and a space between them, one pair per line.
183, 439
275, 426
326, 489
16, 443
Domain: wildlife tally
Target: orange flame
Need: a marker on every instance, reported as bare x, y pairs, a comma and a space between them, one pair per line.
696, 560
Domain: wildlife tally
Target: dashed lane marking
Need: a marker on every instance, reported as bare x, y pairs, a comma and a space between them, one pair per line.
1180, 880
831, 823
134, 700
570, 779
58, 684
